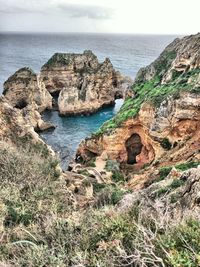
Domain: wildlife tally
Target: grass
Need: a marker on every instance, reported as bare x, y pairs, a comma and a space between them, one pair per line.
104, 240
151, 91
176, 183
165, 171
38, 227
108, 194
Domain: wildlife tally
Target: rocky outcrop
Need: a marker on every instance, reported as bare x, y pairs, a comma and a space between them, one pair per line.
178, 57
24, 88
177, 195
176, 121
18, 126
159, 123
25, 91
81, 83
78, 83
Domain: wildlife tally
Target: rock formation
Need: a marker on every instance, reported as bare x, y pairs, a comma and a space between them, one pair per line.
78, 83
25, 91
18, 126
81, 83
160, 123
24, 87
180, 190
134, 202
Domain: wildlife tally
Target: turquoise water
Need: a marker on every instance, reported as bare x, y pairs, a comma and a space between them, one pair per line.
128, 54
71, 130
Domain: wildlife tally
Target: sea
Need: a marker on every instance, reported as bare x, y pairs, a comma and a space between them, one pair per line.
128, 53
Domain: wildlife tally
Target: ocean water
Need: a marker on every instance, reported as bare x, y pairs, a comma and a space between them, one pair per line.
128, 54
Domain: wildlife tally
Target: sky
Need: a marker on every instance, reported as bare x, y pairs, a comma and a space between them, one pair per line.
101, 16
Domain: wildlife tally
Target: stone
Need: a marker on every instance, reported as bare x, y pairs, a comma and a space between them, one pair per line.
139, 141
24, 88
81, 84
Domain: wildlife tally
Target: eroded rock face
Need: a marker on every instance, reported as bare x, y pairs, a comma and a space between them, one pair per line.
177, 201
181, 56
82, 83
25, 88
178, 119
116, 144
167, 131
17, 127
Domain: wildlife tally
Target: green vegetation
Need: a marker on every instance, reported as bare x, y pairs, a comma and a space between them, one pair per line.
166, 144
38, 227
108, 194
151, 91
187, 165
176, 183
114, 167
60, 58
163, 172
117, 176
91, 163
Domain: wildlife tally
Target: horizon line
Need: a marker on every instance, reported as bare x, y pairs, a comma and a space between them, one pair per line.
114, 33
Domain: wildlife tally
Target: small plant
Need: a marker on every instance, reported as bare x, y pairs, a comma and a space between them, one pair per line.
176, 183
174, 197
166, 144
117, 195
187, 165
163, 173
118, 177
91, 163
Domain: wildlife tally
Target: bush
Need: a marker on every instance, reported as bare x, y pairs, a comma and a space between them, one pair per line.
40, 228
166, 144
117, 177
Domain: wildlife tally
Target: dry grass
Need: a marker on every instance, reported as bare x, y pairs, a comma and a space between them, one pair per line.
39, 228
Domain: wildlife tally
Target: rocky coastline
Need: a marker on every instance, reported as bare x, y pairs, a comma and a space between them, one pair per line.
131, 197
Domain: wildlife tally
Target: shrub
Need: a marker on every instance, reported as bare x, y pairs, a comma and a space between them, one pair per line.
117, 176
166, 144
187, 165
163, 173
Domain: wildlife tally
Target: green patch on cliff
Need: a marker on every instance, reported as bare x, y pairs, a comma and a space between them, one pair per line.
165, 171
152, 92
58, 58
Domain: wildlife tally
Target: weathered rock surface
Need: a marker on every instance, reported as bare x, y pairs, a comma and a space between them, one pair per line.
81, 83
180, 56
161, 134
18, 128
176, 201
25, 91
178, 120
24, 88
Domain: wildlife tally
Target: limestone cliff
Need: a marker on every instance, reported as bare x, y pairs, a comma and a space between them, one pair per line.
17, 127
25, 91
159, 124
81, 83
24, 87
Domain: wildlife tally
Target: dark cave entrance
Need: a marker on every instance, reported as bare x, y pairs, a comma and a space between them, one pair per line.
133, 148
21, 104
55, 96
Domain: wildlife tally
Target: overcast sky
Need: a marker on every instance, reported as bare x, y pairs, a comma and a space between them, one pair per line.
116, 16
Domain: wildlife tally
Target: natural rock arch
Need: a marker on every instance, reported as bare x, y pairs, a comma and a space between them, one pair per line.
133, 147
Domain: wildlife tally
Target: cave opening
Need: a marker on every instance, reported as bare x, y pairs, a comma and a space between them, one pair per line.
21, 104
55, 96
133, 148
